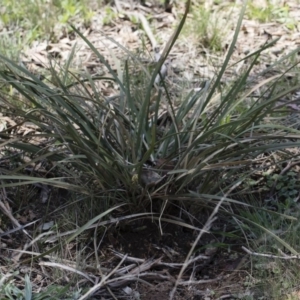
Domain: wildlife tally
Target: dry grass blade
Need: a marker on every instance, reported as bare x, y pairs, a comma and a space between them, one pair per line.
56, 237
102, 282
15, 222
67, 268
206, 228
160, 263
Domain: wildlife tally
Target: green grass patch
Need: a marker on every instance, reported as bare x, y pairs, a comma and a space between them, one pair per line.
41, 19
271, 11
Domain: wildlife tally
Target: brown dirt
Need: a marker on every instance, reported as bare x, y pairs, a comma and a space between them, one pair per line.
190, 61
215, 275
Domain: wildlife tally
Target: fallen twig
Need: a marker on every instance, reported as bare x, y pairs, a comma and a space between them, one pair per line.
160, 263
270, 255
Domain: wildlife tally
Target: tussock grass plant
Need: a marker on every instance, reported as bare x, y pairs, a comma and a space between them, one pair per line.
110, 149
208, 27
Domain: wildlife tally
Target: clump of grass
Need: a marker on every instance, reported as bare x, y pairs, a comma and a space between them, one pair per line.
108, 142
207, 27
201, 150
110, 16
